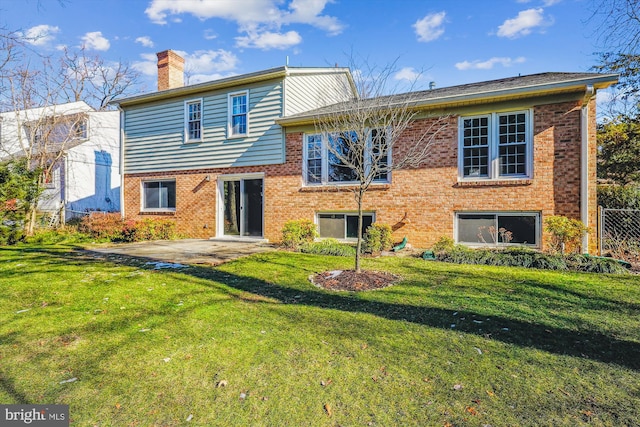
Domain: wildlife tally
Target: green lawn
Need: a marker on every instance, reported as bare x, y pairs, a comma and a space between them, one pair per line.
253, 343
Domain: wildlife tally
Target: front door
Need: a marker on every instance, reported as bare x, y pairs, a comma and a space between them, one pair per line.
242, 201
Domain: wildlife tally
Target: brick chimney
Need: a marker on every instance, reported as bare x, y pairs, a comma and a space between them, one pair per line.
170, 70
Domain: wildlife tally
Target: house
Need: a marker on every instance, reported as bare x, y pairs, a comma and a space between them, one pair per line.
80, 147
238, 157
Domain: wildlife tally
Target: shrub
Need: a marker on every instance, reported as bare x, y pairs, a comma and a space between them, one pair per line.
524, 257
378, 238
67, 235
298, 232
11, 232
443, 244
619, 196
328, 247
111, 227
106, 226
567, 233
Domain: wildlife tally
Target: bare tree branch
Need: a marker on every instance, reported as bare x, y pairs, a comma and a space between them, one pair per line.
372, 134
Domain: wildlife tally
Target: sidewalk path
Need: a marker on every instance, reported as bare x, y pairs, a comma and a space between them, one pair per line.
186, 251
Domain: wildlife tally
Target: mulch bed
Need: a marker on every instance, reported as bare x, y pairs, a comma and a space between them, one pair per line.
349, 280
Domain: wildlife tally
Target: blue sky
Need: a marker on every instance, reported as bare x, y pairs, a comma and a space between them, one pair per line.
446, 41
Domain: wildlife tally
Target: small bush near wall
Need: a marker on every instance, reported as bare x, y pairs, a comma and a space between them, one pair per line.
566, 233
378, 238
523, 257
298, 232
328, 247
111, 227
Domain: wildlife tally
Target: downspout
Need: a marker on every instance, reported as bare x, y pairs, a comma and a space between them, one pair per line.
121, 165
584, 164
65, 189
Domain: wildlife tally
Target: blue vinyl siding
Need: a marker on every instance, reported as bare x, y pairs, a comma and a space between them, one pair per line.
154, 133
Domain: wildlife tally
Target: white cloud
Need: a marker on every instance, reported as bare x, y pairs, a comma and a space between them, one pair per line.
210, 34
207, 61
489, 63
430, 27
201, 65
261, 21
407, 73
148, 66
243, 12
145, 41
94, 40
269, 40
522, 24
41, 35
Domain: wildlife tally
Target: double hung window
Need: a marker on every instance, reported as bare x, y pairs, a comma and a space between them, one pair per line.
238, 114
496, 146
335, 158
193, 121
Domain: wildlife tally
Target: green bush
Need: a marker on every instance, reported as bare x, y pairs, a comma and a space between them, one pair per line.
298, 232
11, 232
328, 247
67, 235
619, 196
378, 238
566, 233
524, 257
443, 244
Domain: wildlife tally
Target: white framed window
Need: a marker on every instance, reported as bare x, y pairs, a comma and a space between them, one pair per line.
325, 165
159, 195
193, 120
342, 225
498, 228
238, 114
496, 146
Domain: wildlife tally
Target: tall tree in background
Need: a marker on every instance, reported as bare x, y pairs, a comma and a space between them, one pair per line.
619, 150
618, 36
370, 136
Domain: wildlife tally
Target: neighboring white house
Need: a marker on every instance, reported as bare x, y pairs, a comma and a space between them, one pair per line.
86, 177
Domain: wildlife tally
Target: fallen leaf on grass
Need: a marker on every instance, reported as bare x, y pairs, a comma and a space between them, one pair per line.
327, 409
458, 387
490, 393
564, 392
471, 410
324, 383
222, 383
118, 406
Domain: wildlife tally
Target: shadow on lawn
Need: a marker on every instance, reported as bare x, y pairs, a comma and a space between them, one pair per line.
588, 345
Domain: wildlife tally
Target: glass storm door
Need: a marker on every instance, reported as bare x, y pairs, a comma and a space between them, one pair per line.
242, 200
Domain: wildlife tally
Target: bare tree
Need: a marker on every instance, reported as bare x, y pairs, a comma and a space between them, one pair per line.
617, 35
371, 135
91, 79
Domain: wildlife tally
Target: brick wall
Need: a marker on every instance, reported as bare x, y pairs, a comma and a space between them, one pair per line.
418, 203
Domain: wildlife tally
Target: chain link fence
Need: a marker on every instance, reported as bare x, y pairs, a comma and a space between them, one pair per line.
620, 233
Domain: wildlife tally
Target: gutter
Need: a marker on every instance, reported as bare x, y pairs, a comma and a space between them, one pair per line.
590, 92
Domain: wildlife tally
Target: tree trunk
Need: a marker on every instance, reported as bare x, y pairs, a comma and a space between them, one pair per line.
359, 244
31, 219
